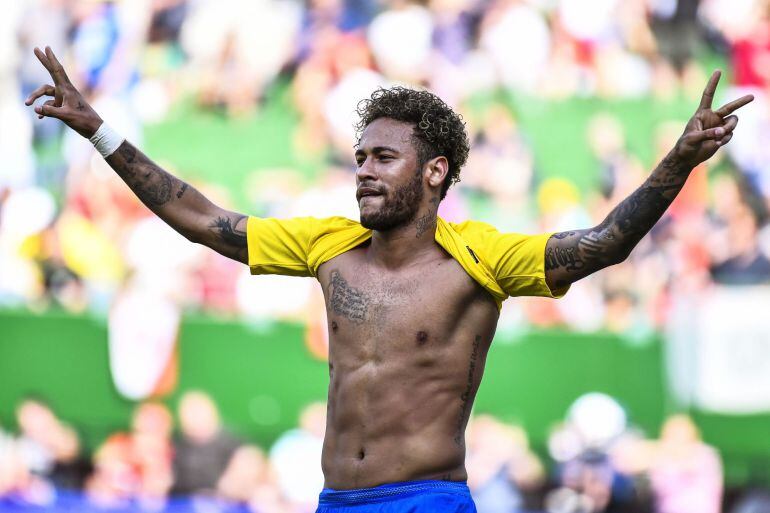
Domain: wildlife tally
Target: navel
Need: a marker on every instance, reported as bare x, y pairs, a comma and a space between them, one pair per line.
334, 326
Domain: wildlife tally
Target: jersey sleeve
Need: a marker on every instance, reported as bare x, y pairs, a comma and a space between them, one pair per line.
280, 246
518, 262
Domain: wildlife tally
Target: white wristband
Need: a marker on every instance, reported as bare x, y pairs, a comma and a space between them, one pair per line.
106, 140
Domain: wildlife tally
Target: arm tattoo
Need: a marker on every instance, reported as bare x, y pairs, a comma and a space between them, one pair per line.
573, 255
562, 257
229, 235
346, 300
180, 205
466, 398
149, 182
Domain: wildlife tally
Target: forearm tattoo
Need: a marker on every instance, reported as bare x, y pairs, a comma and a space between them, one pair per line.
576, 254
159, 190
150, 183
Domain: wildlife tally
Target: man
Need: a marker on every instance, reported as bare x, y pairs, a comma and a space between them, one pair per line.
412, 300
204, 448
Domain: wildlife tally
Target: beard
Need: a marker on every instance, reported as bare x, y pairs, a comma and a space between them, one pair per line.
398, 209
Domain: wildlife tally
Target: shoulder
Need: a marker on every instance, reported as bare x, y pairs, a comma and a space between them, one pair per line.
336, 226
492, 244
473, 228
338, 223
475, 232
478, 231
308, 226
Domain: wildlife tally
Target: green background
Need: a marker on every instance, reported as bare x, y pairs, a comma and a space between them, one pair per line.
262, 375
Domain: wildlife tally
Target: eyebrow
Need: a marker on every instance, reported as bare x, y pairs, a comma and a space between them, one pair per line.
378, 149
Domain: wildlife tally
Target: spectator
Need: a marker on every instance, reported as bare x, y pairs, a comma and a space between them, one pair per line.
14, 475
48, 447
135, 466
296, 457
744, 262
503, 473
203, 449
249, 479
686, 473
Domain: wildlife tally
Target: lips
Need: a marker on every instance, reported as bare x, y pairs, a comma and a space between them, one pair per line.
365, 192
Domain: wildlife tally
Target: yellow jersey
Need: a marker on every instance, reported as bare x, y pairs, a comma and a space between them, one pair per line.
505, 264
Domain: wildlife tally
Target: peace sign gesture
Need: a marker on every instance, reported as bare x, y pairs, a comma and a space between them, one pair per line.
708, 129
68, 104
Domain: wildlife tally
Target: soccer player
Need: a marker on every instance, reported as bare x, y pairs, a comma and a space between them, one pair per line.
412, 300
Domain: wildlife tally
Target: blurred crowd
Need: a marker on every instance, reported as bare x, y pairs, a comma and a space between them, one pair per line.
73, 236
144, 466
596, 461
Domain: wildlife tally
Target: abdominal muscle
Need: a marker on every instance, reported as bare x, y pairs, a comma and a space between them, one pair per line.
383, 427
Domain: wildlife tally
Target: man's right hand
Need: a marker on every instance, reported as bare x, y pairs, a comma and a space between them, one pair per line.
181, 206
68, 104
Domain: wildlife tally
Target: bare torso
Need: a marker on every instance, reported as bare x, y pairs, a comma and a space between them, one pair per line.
407, 352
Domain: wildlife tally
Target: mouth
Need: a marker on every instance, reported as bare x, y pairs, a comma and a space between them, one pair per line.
367, 192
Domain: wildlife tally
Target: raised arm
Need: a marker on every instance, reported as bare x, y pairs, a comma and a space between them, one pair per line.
181, 206
572, 255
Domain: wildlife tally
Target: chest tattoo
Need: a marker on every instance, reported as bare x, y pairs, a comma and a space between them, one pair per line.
346, 300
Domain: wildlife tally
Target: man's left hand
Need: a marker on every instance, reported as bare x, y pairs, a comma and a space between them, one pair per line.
708, 129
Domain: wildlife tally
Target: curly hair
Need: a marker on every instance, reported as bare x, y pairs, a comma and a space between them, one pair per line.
438, 130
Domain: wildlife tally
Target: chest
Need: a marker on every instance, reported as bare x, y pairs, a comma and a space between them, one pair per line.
413, 305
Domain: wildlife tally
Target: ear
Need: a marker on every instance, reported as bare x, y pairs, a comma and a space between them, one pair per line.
435, 170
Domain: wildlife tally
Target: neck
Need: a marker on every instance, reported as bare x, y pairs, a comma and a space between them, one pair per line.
406, 243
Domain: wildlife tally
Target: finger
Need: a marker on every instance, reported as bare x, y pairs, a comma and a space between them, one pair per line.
43, 90
708, 93
724, 140
704, 135
49, 110
734, 105
730, 123
49, 102
58, 69
44, 61
42, 58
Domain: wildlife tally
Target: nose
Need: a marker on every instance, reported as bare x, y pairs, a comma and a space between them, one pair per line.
365, 172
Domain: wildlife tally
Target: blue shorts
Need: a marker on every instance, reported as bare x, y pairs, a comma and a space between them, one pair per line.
409, 496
